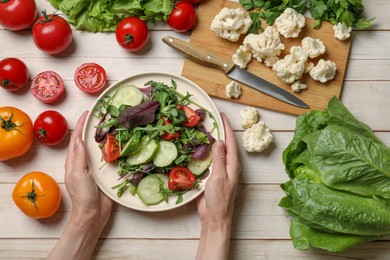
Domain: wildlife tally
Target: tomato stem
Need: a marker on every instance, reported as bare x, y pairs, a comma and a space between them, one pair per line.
8, 125
47, 18
6, 82
42, 133
4, 1
129, 38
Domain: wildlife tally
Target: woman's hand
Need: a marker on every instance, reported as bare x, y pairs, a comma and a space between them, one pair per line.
91, 209
215, 206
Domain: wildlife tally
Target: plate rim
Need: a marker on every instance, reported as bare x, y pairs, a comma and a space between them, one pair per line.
150, 75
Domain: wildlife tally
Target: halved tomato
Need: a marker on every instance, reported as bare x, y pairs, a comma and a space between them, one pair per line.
192, 118
90, 77
47, 86
167, 136
110, 148
181, 178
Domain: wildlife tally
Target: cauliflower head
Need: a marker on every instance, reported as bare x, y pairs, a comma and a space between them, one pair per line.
314, 47
257, 138
230, 23
249, 116
290, 23
242, 57
290, 68
233, 90
324, 71
266, 46
342, 31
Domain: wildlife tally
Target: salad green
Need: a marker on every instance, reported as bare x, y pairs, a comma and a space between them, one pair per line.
339, 189
104, 15
159, 142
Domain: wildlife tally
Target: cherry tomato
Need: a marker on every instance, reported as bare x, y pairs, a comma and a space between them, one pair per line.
37, 195
192, 1
110, 148
182, 18
47, 86
132, 34
50, 127
167, 136
181, 178
90, 77
13, 74
192, 118
16, 133
16, 15
52, 33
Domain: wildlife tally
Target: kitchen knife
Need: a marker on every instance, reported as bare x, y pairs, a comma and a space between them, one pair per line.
232, 71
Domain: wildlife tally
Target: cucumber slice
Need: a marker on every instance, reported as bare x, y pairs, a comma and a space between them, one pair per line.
127, 95
149, 188
198, 167
166, 154
145, 154
132, 145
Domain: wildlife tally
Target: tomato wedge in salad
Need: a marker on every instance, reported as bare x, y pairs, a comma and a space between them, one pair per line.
90, 78
110, 148
47, 86
192, 118
181, 178
168, 136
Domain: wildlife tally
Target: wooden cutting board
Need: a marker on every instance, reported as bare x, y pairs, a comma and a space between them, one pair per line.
214, 81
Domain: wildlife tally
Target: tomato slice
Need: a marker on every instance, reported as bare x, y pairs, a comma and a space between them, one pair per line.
47, 86
181, 178
167, 136
192, 118
90, 77
110, 149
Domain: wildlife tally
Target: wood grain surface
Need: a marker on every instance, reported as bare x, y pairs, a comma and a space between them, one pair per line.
214, 81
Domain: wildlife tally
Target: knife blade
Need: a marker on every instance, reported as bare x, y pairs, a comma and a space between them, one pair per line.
213, 60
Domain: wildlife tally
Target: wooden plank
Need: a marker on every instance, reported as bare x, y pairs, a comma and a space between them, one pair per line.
214, 81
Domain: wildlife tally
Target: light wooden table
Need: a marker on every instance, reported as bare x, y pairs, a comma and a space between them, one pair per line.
260, 228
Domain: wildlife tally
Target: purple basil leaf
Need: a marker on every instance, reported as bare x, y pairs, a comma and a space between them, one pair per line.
139, 115
201, 152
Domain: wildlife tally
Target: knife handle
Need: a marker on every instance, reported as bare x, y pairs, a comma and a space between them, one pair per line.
199, 55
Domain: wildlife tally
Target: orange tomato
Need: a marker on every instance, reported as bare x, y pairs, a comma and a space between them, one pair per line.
37, 195
16, 133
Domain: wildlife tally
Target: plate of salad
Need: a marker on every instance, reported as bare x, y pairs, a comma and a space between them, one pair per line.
149, 140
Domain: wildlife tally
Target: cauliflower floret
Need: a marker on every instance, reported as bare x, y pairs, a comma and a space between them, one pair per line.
230, 23
290, 68
324, 71
233, 90
249, 116
298, 86
302, 55
257, 138
242, 57
290, 23
266, 46
342, 31
314, 47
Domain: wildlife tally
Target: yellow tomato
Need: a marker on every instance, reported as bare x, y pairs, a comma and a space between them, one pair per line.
16, 133
37, 195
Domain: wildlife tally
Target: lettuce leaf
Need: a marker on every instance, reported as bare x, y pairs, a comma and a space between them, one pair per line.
104, 15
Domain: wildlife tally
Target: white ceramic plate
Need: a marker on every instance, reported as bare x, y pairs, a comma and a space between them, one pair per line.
106, 175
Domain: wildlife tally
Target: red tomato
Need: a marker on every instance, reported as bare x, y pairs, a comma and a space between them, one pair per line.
52, 33
192, 118
167, 136
47, 86
110, 148
90, 77
37, 195
182, 18
16, 133
192, 1
50, 127
13, 74
181, 178
16, 15
132, 34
